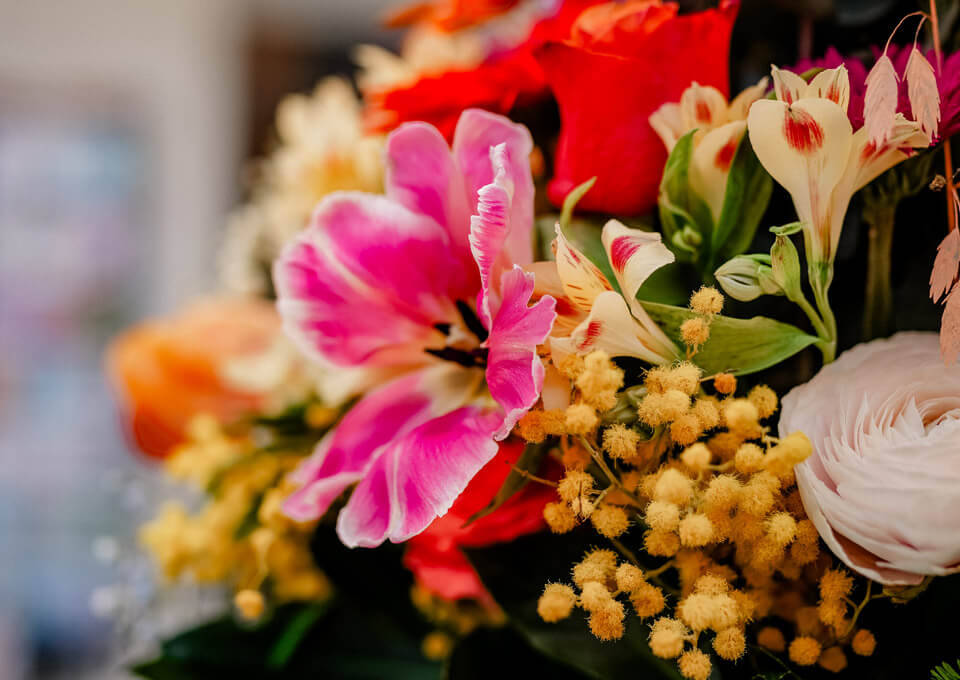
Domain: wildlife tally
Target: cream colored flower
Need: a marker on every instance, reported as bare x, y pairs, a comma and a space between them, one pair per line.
805, 141
720, 127
322, 147
883, 483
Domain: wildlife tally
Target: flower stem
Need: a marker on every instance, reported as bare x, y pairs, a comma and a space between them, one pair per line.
820, 282
878, 302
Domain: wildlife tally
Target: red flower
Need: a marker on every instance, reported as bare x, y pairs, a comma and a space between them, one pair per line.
496, 85
449, 15
621, 63
435, 556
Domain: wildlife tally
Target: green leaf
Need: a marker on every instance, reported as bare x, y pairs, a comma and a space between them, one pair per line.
681, 207
570, 202
290, 639
515, 574
946, 672
529, 461
746, 198
738, 346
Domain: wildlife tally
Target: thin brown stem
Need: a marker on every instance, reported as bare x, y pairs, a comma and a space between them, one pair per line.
947, 153
534, 478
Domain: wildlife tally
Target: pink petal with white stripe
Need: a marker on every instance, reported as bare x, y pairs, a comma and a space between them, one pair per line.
514, 370
477, 132
421, 175
582, 280
335, 318
489, 230
417, 478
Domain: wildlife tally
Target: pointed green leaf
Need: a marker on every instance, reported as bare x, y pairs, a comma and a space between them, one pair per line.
748, 193
570, 202
739, 346
680, 206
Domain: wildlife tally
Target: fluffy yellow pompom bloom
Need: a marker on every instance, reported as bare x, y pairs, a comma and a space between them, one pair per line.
748, 459
554, 422
620, 441
725, 383
707, 412
771, 638
781, 528
832, 612
662, 516
581, 419
437, 645
571, 366
673, 487
707, 301
725, 444
685, 377
249, 604
863, 642
599, 380
833, 659
747, 528
694, 665
686, 429
666, 638
587, 571
594, 596
804, 651
697, 611
723, 493
807, 532
556, 603
807, 621
695, 332
696, 457
764, 399
741, 418
629, 577
530, 427
656, 379
606, 623
610, 521
730, 643
746, 604
834, 584
603, 558
575, 458
647, 600
711, 584
559, 517
661, 543
657, 409
575, 484
756, 498
695, 530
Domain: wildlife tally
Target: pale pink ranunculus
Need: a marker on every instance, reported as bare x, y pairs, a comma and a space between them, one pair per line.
883, 483
423, 281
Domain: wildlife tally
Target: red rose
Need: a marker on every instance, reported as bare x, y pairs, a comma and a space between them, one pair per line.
622, 61
495, 85
435, 556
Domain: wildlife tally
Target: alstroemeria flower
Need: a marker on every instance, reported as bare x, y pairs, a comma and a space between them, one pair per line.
591, 315
391, 281
620, 63
805, 141
883, 483
720, 127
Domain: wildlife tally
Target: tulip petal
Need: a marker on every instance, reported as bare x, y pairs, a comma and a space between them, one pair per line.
514, 370
582, 280
489, 230
417, 478
347, 452
477, 132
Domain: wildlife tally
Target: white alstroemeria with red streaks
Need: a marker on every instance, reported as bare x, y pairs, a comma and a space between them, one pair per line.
720, 127
591, 315
805, 141
393, 281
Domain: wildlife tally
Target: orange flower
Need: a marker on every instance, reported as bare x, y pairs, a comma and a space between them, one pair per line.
449, 15
167, 371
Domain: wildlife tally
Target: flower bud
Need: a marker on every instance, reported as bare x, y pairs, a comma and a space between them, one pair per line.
785, 264
747, 277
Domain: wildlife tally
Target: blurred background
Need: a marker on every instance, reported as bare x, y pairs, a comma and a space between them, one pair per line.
124, 130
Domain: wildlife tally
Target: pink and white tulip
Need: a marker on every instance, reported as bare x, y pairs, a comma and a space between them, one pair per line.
805, 141
424, 281
883, 483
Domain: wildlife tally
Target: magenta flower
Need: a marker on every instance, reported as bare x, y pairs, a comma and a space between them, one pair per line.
948, 82
423, 282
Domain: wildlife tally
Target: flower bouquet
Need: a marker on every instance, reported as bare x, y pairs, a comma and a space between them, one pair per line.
492, 390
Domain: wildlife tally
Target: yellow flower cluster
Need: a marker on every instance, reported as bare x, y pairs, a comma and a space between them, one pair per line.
454, 619
714, 493
240, 537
